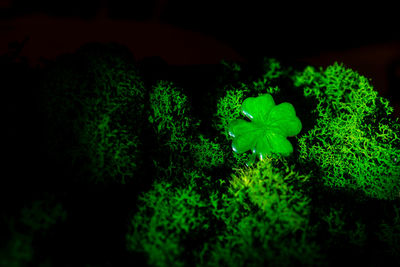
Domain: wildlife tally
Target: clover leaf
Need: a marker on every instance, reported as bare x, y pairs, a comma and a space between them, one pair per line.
268, 128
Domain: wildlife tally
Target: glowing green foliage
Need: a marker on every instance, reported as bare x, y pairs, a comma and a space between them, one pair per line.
266, 218
354, 140
262, 219
166, 218
232, 96
169, 115
231, 66
272, 70
269, 127
339, 89
206, 153
271, 213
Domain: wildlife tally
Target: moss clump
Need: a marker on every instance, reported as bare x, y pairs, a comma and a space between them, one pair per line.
93, 101
266, 218
228, 109
173, 130
167, 218
354, 140
207, 153
272, 71
170, 116
262, 219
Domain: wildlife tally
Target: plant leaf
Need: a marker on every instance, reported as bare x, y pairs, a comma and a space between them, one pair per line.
268, 129
257, 108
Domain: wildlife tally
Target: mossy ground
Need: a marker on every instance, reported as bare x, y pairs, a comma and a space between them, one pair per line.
140, 166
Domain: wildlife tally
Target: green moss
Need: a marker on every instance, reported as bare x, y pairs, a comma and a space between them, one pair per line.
170, 116
266, 219
354, 140
272, 71
262, 219
176, 146
167, 218
207, 153
93, 101
228, 109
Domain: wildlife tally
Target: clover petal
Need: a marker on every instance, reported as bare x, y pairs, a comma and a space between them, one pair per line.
279, 144
269, 127
283, 117
243, 143
257, 108
273, 143
239, 127
245, 135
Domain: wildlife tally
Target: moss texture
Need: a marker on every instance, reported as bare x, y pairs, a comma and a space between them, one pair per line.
94, 103
355, 140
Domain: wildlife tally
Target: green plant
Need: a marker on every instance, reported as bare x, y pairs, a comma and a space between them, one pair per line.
228, 109
272, 70
265, 215
167, 217
354, 140
170, 116
207, 153
270, 125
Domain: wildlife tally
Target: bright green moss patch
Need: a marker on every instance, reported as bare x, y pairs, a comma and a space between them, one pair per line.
229, 109
354, 139
167, 217
266, 218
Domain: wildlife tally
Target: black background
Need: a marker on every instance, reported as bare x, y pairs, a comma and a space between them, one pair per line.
253, 28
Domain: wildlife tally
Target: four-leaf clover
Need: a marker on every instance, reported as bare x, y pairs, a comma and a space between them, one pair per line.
268, 128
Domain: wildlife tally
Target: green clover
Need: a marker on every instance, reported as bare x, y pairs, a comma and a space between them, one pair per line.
269, 127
